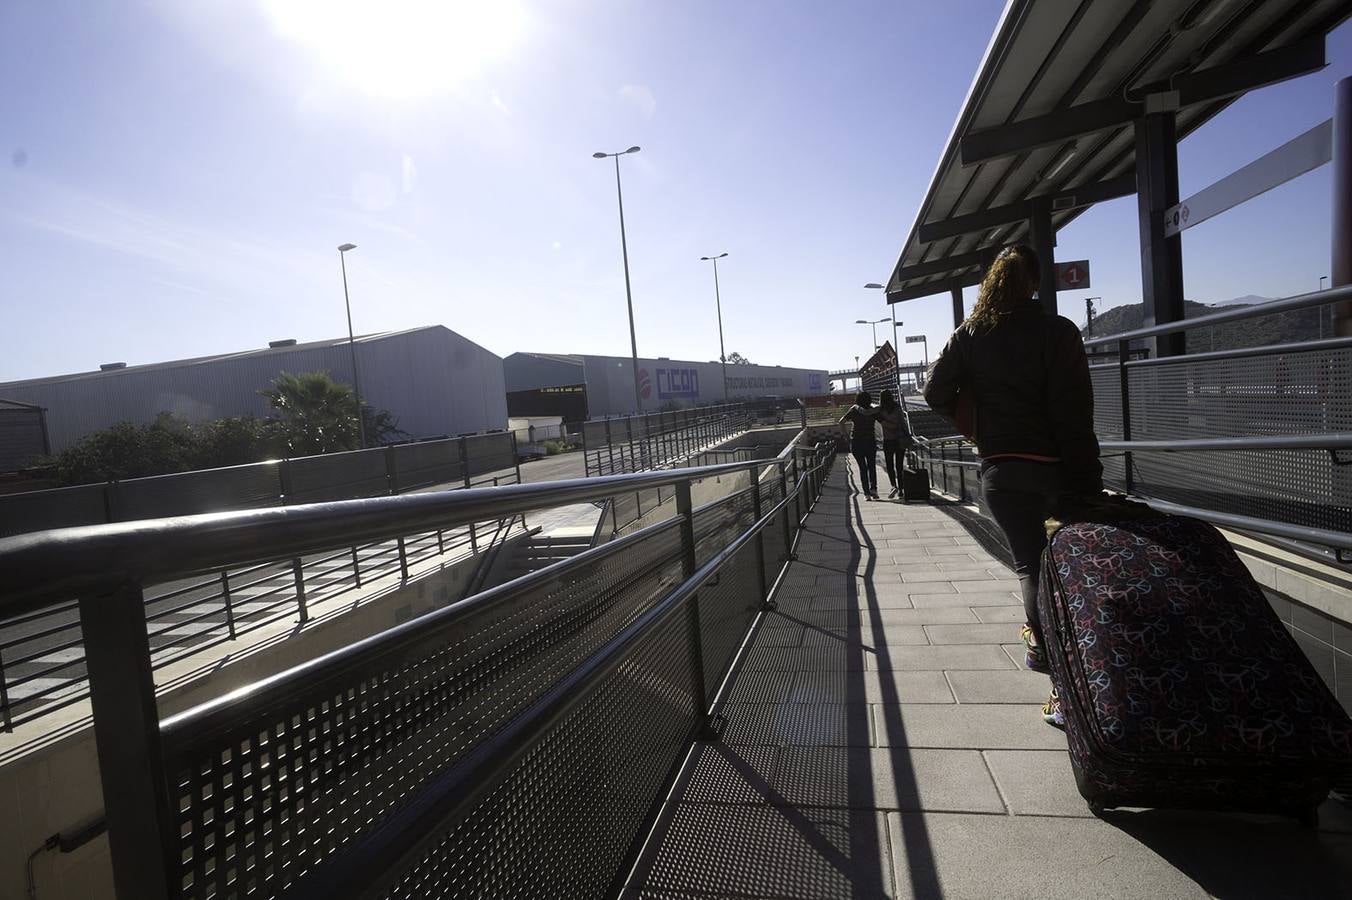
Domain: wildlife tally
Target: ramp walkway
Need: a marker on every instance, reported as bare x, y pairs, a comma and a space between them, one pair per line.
882, 739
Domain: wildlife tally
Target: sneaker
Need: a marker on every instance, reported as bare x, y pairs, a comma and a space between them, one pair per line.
874, 496
1051, 711
1034, 656
895, 493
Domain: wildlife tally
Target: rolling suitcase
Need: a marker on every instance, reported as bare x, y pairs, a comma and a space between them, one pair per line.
915, 484
1178, 683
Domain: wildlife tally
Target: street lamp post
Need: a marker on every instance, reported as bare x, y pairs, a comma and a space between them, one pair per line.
624, 249
1089, 315
352, 344
874, 324
718, 304
891, 308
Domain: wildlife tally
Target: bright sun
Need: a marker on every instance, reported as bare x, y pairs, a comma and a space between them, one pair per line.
400, 48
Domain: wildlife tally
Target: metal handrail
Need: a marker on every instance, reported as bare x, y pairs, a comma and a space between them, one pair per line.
405, 835
1289, 304
42, 567
1331, 441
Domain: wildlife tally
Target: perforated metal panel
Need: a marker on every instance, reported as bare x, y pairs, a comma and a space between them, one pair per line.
569, 814
290, 783
1294, 393
425, 464
336, 476
490, 453
726, 610
56, 508
209, 490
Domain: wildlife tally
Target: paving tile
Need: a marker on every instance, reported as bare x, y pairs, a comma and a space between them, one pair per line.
933, 615
891, 686
956, 656
993, 614
970, 634
797, 725
1007, 686
761, 851
980, 587
975, 856
1037, 782
957, 576
886, 778
978, 726
723, 774
761, 687
797, 659
889, 635
966, 601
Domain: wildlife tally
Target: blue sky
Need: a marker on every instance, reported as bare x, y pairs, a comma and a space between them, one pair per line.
175, 176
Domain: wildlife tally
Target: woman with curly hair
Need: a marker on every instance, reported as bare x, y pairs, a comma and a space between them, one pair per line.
1025, 377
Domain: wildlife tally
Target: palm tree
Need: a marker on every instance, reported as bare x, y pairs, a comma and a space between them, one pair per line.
318, 414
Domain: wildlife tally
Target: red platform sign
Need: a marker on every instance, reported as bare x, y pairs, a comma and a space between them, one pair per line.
1072, 276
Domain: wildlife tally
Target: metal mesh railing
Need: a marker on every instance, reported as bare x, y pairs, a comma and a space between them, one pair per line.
42, 654
315, 768
1213, 433
658, 440
515, 744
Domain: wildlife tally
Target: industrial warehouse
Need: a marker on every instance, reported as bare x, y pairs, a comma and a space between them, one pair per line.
579, 387
433, 381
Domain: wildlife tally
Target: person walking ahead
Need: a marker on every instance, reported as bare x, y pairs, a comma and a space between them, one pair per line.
896, 438
1026, 377
864, 442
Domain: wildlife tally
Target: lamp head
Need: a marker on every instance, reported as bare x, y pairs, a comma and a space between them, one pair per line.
343, 248
599, 155
632, 150
874, 286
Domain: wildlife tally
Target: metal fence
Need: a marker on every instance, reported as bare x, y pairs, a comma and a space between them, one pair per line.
518, 743
655, 440
393, 469
1258, 438
43, 665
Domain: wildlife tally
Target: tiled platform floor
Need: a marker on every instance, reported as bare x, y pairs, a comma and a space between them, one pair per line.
883, 740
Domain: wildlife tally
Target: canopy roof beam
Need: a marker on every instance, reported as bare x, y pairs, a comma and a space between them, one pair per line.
1216, 83
1070, 198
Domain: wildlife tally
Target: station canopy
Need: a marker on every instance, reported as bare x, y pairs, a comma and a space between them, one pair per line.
1049, 118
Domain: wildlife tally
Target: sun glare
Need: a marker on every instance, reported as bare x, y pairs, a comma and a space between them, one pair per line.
400, 48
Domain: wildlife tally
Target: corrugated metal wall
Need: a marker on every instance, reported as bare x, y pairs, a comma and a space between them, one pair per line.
432, 380
21, 436
667, 382
527, 372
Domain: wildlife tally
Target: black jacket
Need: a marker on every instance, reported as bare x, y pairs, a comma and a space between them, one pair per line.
1030, 378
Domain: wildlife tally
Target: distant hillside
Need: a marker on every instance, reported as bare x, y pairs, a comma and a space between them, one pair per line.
1301, 325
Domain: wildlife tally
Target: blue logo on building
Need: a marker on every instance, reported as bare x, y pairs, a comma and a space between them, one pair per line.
678, 384
814, 382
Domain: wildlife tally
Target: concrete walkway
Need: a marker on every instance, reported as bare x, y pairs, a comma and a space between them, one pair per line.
883, 740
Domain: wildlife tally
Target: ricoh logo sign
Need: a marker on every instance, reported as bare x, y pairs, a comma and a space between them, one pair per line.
678, 384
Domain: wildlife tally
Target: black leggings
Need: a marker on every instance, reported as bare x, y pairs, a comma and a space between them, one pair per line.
893, 461
1020, 494
867, 458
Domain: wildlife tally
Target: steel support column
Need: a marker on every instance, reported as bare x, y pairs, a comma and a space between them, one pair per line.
1042, 236
1161, 257
958, 313
1342, 203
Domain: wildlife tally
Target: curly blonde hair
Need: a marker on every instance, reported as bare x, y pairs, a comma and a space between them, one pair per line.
1012, 279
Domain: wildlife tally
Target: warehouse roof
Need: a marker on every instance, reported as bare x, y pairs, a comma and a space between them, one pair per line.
199, 360
1049, 115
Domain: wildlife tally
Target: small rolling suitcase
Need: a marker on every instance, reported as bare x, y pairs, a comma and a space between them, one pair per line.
1178, 683
915, 485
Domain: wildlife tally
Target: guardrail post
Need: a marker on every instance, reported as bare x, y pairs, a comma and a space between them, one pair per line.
788, 534
284, 478
943, 464
685, 509
586, 452
1122, 351
962, 476
356, 565
517, 456
391, 471
229, 607
756, 511
4, 696
142, 833
464, 460
797, 491
610, 449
